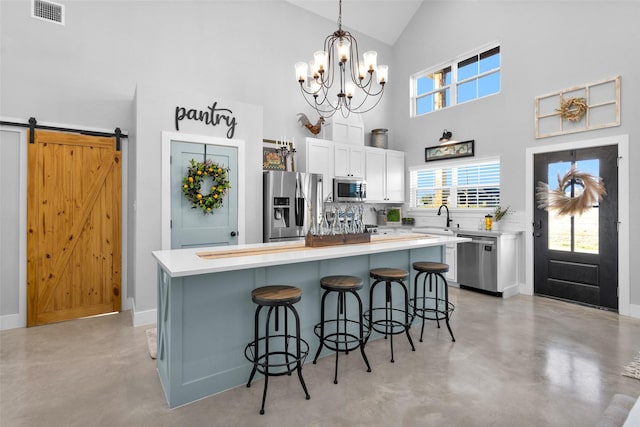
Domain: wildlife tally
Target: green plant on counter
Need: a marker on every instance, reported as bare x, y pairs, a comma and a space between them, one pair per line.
393, 215
500, 212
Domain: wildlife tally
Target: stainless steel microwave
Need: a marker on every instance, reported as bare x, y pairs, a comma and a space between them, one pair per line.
349, 189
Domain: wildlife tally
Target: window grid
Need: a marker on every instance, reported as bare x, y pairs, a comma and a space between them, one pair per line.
485, 81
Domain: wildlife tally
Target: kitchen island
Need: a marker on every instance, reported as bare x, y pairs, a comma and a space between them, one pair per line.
205, 312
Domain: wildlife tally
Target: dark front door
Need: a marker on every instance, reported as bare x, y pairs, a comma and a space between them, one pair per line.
576, 256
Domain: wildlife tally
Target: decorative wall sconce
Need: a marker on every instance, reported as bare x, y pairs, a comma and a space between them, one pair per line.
446, 136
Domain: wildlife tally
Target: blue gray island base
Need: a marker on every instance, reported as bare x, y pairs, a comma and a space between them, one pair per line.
206, 320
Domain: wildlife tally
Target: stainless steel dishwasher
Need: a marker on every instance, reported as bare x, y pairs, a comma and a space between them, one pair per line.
478, 263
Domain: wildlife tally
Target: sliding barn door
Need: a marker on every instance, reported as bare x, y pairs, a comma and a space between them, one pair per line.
73, 227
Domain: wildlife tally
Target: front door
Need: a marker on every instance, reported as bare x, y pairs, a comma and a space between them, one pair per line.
576, 256
190, 227
74, 187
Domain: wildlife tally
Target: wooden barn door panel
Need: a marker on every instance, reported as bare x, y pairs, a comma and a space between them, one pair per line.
73, 239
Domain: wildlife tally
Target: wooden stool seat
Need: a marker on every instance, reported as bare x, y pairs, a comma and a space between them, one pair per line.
276, 295
388, 274
341, 283
430, 267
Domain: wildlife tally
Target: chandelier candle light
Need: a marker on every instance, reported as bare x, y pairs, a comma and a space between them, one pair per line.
341, 48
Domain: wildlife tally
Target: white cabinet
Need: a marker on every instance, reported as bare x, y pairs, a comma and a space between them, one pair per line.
346, 131
348, 160
384, 172
319, 159
450, 260
508, 256
395, 176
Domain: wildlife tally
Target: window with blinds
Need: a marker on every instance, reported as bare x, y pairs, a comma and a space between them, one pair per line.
463, 186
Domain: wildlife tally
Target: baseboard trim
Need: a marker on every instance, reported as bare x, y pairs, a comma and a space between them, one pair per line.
634, 310
146, 317
12, 321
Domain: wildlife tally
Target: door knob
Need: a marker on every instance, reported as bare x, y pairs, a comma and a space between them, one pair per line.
233, 234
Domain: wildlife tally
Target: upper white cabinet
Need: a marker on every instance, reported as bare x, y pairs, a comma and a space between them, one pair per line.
395, 176
384, 172
344, 131
319, 159
348, 160
383, 169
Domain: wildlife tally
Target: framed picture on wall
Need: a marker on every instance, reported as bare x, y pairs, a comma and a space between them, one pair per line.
272, 158
449, 151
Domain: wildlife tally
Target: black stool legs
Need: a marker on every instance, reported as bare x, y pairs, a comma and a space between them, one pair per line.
280, 360
390, 326
341, 339
441, 309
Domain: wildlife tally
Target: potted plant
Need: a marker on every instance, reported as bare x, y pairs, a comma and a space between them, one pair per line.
499, 213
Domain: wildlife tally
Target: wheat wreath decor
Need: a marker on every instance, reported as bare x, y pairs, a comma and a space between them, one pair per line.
192, 183
573, 109
562, 203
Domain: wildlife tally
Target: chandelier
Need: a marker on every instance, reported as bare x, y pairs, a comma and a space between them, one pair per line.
340, 64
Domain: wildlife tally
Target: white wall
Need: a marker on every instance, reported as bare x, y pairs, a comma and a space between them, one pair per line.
13, 230
545, 46
155, 112
186, 53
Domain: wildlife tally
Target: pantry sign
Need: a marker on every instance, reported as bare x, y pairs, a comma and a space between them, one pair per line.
212, 115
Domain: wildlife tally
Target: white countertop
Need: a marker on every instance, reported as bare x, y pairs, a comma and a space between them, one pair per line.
469, 231
186, 262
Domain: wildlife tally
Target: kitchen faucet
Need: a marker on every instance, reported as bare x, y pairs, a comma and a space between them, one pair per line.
449, 220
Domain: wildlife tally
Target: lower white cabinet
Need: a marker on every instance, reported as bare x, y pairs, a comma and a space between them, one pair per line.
450, 260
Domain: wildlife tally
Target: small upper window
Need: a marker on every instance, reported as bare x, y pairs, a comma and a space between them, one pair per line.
464, 79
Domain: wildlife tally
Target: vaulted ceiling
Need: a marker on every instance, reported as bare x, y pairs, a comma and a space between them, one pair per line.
384, 20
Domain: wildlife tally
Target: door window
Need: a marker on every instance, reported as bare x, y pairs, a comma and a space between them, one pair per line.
574, 233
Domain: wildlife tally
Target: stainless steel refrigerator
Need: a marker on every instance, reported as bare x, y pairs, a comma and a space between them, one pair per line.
292, 204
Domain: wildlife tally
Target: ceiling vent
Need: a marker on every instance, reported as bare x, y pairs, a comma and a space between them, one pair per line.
47, 11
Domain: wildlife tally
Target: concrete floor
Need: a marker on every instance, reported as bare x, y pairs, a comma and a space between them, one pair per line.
524, 361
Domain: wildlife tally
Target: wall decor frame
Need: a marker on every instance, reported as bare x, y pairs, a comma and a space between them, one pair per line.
602, 99
450, 151
272, 160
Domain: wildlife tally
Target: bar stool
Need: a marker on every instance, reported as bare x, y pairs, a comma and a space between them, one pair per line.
342, 335
435, 307
390, 326
271, 354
